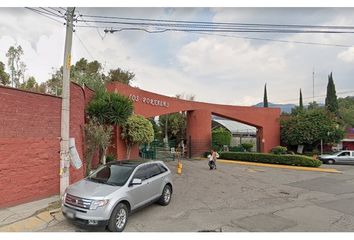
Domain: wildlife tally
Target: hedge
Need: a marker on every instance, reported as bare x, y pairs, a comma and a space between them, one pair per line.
295, 160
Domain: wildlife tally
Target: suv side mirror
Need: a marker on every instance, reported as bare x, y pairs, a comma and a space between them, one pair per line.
136, 181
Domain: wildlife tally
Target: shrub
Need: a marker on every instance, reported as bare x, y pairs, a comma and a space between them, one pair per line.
110, 108
220, 137
110, 158
247, 146
206, 154
295, 160
236, 149
279, 150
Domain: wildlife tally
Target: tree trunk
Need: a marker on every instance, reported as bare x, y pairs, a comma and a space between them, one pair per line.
88, 159
129, 149
104, 154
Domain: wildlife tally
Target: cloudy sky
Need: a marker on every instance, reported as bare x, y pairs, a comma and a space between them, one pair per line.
218, 69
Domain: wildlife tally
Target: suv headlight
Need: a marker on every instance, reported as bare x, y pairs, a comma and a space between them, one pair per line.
63, 197
97, 203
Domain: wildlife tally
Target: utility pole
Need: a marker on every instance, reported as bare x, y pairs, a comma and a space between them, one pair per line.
65, 106
313, 84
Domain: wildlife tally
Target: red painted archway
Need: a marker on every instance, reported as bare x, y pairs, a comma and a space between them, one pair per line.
149, 104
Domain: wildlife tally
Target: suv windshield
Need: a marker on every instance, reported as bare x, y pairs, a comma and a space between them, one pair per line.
116, 175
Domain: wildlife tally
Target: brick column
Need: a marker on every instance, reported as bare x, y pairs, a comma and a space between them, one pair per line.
198, 132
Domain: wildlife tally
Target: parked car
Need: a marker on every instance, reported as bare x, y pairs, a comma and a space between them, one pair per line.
111, 193
344, 156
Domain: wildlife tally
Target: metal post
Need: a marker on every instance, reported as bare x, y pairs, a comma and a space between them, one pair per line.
65, 107
321, 146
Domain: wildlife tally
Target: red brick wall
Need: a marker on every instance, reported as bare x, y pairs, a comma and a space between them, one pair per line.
29, 142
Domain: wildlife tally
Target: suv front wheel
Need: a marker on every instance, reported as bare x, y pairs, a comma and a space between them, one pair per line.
119, 218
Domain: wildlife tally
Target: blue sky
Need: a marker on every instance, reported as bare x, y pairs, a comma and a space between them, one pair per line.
216, 69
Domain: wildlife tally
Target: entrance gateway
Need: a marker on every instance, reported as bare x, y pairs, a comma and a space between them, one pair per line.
199, 118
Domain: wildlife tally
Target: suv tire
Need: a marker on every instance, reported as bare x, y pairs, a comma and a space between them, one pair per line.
119, 218
165, 196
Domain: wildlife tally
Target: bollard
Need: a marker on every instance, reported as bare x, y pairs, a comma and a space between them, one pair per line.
179, 168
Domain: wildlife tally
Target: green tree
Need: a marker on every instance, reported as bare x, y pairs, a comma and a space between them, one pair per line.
176, 125
88, 73
4, 76
119, 75
82, 73
157, 129
346, 111
220, 137
313, 105
97, 138
265, 97
30, 85
16, 66
309, 127
110, 108
137, 130
54, 85
331, 102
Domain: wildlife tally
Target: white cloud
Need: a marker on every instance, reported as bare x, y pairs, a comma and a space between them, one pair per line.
347, 55
216, 69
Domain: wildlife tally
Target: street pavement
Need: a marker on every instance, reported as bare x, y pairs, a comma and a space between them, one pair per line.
238, 198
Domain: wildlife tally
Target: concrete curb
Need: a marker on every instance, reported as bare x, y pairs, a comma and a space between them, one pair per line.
311, 169
35, 223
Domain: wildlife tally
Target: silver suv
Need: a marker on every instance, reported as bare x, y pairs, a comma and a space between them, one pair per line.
108, 195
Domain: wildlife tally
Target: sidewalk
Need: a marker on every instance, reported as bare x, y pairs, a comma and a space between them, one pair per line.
32, 216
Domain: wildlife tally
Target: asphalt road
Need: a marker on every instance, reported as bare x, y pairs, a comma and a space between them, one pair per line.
237, 198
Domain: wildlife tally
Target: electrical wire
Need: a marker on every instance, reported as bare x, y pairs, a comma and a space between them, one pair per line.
277, 40
221, 23
44, 14
184, 27
50, 12
317, 96
56, 10
82, 43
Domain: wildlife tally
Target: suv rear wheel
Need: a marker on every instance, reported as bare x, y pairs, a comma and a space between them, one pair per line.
166, 195
119, 218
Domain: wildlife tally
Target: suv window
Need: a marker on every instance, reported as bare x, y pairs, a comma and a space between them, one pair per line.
153, 170
142, 173
162, 168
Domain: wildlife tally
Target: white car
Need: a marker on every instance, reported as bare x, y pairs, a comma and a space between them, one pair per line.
345, 156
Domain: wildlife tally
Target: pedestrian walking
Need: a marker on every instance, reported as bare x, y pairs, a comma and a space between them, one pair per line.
212, 159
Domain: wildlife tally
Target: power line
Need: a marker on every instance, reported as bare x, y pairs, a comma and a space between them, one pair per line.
277, 40
203, 28
221, 23
88, 25
56, 10
82, 43
50, 12
44, 14
318, 96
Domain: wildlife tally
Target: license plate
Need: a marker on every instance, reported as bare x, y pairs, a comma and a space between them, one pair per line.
70, 215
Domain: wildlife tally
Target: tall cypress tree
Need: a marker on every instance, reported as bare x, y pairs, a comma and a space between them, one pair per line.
331, 102
265, 98
301, 105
